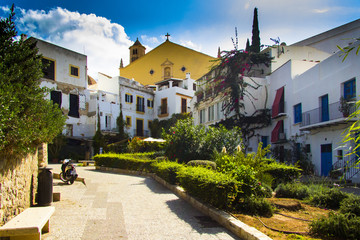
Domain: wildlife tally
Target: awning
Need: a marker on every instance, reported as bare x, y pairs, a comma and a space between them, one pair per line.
275, 132
276, 104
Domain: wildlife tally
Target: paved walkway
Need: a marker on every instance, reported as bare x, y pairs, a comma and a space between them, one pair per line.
115, 206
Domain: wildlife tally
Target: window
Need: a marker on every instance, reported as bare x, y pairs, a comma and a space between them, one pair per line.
340, 155
128, 98
202, 115
297, 113
278, 105
108, 122
74, 71
74, 106
140, 104
211, 113
163, 107
150, 103
128, 121
183, 105
49, 68
350, 89
194, 86
218, 111
56, 97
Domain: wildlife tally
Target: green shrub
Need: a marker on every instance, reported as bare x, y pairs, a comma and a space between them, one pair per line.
123, 162
328, 198
211, 187
167, 170
281, 173
256, 206
137, 145
186, 142
351, 205
292, 190
117, 147
339, 226
202, 163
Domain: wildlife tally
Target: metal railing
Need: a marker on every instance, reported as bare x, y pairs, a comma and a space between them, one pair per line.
348, 167
163, 110
319, 115
140, 108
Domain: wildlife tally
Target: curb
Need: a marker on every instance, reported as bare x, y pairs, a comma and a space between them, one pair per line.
234, 225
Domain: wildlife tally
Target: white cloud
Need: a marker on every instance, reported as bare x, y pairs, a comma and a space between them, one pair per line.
321, 10
150, 40
190, 44
104, 42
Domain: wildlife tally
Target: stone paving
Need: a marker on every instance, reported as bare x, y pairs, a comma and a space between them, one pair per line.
116, 206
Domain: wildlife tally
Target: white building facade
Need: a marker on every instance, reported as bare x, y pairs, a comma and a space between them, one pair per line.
66, 76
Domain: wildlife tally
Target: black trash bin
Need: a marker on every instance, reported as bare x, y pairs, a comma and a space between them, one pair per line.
45, 187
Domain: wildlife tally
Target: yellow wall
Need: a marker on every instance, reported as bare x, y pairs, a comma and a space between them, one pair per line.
196, 63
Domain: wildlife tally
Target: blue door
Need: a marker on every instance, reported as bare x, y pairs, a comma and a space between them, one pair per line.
325, 108
326, 159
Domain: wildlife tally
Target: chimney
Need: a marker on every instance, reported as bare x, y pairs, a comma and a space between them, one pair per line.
187, 75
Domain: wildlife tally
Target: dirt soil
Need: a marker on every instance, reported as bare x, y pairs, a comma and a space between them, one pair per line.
284, 219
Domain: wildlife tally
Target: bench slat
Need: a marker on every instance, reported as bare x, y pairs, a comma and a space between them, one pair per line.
30, 221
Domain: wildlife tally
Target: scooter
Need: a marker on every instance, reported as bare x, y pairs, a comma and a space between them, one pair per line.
68, 172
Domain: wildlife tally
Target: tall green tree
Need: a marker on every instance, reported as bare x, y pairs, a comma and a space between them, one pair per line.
26, 117
255, 40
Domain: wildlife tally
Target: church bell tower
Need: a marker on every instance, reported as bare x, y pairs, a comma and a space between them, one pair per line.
137, 50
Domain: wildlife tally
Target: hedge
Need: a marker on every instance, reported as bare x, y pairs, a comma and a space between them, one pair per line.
215, 188
281, 173
167, 170
124, 161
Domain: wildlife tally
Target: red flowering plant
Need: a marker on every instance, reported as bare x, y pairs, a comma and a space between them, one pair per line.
232, 78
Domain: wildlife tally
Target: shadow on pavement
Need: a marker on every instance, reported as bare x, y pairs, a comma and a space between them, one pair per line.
201, 223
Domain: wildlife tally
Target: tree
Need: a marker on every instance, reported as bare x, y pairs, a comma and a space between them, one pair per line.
247, 48
255, 40
26, 117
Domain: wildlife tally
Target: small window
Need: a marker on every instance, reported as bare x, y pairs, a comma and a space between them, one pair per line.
74, 71
108, 122
350, 89
74, 106
194, 86
150, 103
163, 107
211, 113
48, 68
56, 97
297, 113
128, 121
202, 116
128, 98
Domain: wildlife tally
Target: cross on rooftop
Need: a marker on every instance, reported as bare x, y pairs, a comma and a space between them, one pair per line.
167, 36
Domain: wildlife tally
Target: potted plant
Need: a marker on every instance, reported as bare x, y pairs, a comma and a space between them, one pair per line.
344, 107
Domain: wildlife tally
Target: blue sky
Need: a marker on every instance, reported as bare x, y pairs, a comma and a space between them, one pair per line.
104, 30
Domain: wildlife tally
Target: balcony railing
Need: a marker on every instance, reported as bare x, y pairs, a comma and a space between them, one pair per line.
140, 108
163, 110
320, 115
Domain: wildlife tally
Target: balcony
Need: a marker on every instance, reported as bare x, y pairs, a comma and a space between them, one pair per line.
322, 117
140, 108
163, 111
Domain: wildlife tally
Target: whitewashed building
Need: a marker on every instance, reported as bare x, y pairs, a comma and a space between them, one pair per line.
305, 84
173, 96
66, 76
112, 94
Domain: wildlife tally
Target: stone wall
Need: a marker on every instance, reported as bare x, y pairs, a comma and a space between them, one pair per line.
18, 182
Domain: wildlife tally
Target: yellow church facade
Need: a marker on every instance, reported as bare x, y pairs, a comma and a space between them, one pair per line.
168, 60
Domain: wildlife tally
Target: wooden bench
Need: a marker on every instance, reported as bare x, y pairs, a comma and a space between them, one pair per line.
28, 225
86, 162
